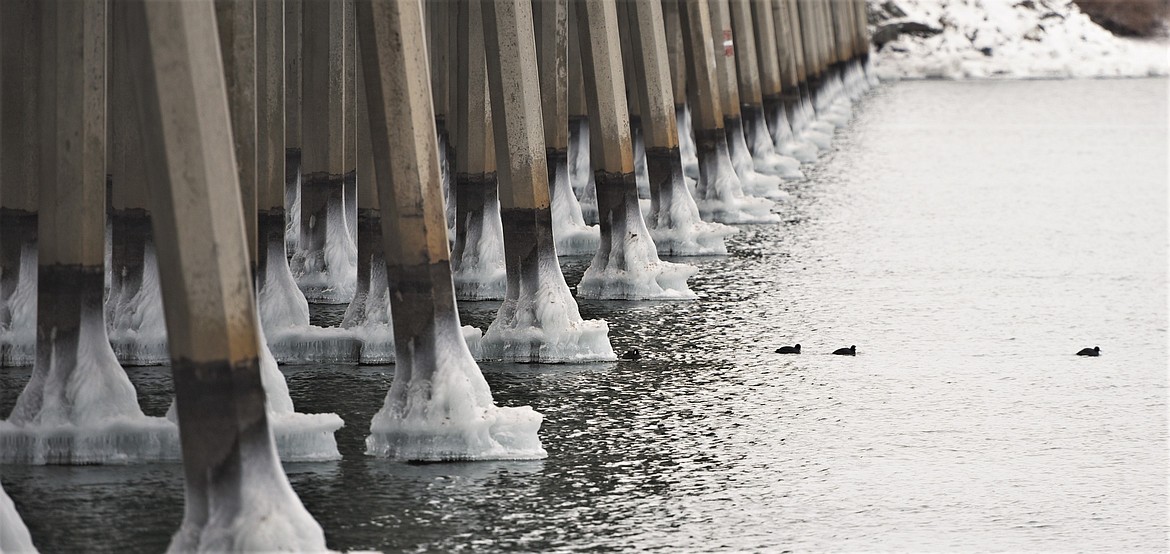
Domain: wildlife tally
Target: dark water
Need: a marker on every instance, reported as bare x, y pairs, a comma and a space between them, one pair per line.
967, 237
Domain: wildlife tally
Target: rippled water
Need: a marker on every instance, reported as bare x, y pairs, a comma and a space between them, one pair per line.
967, 237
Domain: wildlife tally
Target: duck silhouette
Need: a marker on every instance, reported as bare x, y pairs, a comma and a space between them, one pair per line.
632, 354
851, 351
1094, 351
789, 349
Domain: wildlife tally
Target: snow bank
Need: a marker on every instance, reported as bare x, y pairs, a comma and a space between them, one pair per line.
971, 39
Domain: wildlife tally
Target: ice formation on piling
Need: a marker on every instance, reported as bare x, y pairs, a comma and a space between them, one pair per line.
477, 261
136, 325
299, 437
266, 516
292, 213
18, 339
753, 182
329, 276
86, 412
539, 322
641, 174
448, 190
14, 536
719, 194
573, 236
764, 155
676, 227
440, 408
581, 170
626, 266
785, 140
686, 142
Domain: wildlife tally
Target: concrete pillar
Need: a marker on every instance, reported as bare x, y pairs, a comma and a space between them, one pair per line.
674, 219
293, 79
580, 166
755, 127
678, 79
439, 406
229, 457
626, 265
551, 21
349, 107
21, 37
281, 303
236, 23
801, 114
771, 81
134, 313
478, 253
539, 320
324, 264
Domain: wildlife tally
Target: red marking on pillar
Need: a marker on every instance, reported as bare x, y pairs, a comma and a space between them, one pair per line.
728, 44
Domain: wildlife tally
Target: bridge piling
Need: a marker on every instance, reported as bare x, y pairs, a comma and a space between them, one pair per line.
626, 265
439, 406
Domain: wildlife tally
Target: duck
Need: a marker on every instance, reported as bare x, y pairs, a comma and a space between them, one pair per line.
1094, 351
632, 354
789, 349
851, 351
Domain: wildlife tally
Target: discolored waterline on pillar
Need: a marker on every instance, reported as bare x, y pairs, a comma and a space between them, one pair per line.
134, 311
626, 266
573, 236
674, 220
18, 287
718, 192
323, 265
477, 257
292, 198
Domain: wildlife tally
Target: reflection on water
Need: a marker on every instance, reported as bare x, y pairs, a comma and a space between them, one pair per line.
967, 237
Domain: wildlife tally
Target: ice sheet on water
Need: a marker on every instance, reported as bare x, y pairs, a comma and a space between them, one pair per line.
439, 408
14, 535
120, 439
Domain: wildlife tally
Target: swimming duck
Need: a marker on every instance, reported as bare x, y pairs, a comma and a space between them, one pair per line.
851, 351
1094, 351
788, 349
632, 354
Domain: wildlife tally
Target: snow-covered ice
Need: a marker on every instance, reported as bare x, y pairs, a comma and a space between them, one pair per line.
719, 194
328, 275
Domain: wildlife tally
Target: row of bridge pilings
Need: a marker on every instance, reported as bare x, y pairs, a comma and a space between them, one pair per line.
179, 180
